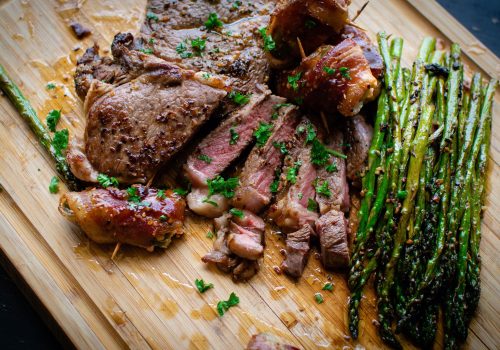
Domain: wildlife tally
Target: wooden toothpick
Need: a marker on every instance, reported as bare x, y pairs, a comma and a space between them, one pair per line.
302, 53
117, 248
359, 11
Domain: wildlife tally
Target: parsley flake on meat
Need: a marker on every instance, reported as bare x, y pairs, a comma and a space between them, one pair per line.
52, 119
293, 81
263, 133
236, 212
60, 141
133, 195
205, 158
311, 133
221, 186
180, 191
207, 200
160, 194
147, 51
323, 189
213, 21
312, 205
202, 286
106, 181
321, 154
274, 186
332, 168
234, 136
344, 71
291, 174
329, 70
269, 44
152, 16
281, 146
54, 185
239, 98
181, 49
224, 305
198, 45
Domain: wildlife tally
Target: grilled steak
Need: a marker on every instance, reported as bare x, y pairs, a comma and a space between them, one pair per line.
335, 177
290, 212
110, 215
246, 236
359, 137
266, 341
332, 231
254, 191
297, 251
340, 72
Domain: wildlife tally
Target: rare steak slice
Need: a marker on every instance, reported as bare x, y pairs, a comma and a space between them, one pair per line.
297, 251
359, 137
332, 178
259, 173
296, 205
333, 239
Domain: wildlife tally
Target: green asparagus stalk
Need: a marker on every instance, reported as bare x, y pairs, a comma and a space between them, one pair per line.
23, 106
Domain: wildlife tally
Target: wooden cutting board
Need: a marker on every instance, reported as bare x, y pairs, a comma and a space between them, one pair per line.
147, 300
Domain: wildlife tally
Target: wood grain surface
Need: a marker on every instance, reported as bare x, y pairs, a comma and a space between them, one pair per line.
145, 300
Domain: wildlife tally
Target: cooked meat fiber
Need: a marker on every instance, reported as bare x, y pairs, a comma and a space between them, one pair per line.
297, 251
340, 72
246, 236
266, 341
290, 212
254, 191
109, 215
336, 178
333, 239
359, 137
313, 22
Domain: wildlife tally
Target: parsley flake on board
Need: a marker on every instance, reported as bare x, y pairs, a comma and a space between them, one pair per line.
312, 205
293, 81
106, 181
224, 187
323, 189
291, 174
224, 305
54, 185
52, 119
50, 86
263, 133
160, 194
180, 191
205, 158
269, 44
344, 71
328, 286
210, 235
319, 298
239, 98
329, 70
234, 136
202, 286
60, 141
213, 21
236, 212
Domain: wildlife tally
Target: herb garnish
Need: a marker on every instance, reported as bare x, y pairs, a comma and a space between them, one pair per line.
60, 141
202, 286
198, 45
207, 200
224, 187
210, 235
293, 81
106, 181
281, 146
234, 136
263, 133
147, 51
329, 70
280, 105
291, 174
344, 71
319, 298
54, 185
151, 15
52, 119
206, 76
312, 205
269, 43
133, 195
163, 218
328, 286
181, 50
332, 168
300, 195
180, 191
311, 133
205, 158
320, 154
274, 186
224, 305
161, 194
50, 86
236, 4
239, 98
323, 189
236, 212
213, 21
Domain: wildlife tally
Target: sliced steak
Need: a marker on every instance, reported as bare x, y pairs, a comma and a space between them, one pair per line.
254, 191
359, 137
246, 236
335, 177
222, 146
340, 72
297, 193
297, 251
333, 239
266, 341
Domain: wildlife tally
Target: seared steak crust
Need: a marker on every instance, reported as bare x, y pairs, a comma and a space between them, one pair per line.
297, 251
359, 136
332, 231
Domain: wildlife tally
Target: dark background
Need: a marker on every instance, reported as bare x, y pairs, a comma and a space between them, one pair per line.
20, 325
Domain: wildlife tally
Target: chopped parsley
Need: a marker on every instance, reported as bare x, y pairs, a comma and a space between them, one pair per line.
50, 86
319, 298
329, 70
210, 235
269, 44
207, 200
106, 181
300, 195
180, 191
344, 71
328, 286
224, 187
54, 185
274, 186
280, 105
160, 194
202, 286
320, 154
323, 189
224, 305
151, 41
60, 141
236, 4
263, 133
311, 133
213, 21
163, 218
198, 45
147, 51
293, 81
234, 136
312, 205
274, 116
205, 158
291, 174
181, 49
332, 168
152, 16
281, 146
52, 119
310, 24
133, 195
206, 76
239, 98
236, 212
